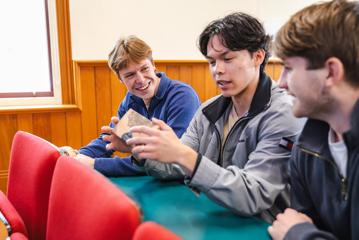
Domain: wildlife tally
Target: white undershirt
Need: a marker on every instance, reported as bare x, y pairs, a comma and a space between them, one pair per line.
339, 152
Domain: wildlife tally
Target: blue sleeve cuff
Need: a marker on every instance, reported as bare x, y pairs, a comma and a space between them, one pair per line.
116, 167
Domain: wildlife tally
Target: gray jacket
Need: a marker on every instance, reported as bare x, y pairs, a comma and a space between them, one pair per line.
250, 174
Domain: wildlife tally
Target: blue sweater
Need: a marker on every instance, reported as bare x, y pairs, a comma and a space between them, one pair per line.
175, 103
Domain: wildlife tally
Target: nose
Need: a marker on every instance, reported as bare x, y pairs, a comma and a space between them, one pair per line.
282, 82
139, 77
218, 68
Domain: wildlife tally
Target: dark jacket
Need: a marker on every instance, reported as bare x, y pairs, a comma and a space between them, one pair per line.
319, 190
174, 102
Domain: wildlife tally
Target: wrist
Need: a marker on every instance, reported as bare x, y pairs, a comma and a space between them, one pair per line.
187, 159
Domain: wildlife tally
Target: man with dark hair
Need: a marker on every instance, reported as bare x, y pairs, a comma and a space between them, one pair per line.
231, 150
320, 49
150, 93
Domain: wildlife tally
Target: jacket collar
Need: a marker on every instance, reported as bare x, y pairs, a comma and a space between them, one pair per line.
260, 101
352, 136
314, 137
161, 91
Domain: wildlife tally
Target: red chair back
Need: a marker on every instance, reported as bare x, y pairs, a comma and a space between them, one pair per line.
32, 163
85, 205
11, 216
154, 231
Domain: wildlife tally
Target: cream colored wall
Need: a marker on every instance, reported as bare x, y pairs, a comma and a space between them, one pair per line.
170, 27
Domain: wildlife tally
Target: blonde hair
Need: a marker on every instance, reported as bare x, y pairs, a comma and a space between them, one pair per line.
126, 50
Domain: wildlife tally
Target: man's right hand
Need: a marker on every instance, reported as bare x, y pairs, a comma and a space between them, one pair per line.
116, 143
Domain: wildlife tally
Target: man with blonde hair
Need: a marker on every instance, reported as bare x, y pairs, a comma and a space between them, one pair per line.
150, 93
320, 49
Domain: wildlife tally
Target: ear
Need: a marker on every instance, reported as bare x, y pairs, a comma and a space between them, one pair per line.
258, 57
336, 71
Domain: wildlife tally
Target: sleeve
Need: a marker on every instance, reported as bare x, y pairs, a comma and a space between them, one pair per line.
116, 166
255, 187
300, 197
104, 162
182, 105
307, 231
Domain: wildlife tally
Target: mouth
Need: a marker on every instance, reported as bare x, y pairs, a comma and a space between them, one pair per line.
144, 87
223, 83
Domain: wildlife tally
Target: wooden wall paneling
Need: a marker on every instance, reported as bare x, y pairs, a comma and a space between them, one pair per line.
172, 71
58, 128
118, 92
103, 96
209, 86
75, 130
88, 104
185, 73
269, 70
277, 70
24, 122
3, 180
198, 80
161, 67
8, 128
42, 125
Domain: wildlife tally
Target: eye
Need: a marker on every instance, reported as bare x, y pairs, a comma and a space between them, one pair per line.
129, 76
212, 63
145, 69
287, 68
228, 59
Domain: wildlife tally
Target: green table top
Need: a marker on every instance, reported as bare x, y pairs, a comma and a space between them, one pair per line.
176, 207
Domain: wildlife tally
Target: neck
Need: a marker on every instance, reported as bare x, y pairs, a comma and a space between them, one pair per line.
243, 100
339, 117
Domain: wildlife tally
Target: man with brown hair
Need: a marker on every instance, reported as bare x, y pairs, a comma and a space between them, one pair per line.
150, 93
320, 49
236, 148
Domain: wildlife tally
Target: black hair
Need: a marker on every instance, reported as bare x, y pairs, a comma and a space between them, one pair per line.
238, 31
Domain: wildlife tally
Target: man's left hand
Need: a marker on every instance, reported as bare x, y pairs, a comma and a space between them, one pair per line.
285, 221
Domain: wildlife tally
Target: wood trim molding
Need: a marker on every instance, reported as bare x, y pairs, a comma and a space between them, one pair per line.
91, 63
39, 109
65, 51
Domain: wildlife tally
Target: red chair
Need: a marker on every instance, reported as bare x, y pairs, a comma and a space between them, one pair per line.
10, 217
85, 205
32, 163
18, 236
154, 231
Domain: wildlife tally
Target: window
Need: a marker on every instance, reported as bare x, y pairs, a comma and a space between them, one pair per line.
29, 57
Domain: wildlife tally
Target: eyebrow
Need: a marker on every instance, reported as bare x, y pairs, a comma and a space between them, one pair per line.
132, 72
221, 55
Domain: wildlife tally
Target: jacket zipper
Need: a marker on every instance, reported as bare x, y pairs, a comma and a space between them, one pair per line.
343, 180
229, 133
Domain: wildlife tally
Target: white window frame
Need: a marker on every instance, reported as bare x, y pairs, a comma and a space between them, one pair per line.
55, 71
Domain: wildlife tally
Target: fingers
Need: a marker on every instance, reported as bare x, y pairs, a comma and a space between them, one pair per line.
106, 130
144, 152
161, 124
115, 120
145, 130
139, 141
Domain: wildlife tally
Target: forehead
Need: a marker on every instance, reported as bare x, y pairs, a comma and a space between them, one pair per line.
215, 45
133, 66
296, 61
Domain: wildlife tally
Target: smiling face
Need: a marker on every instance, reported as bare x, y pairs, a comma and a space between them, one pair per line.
140, 79
233, 71
307, 86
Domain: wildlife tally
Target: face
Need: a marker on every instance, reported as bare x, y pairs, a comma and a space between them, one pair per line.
307, 87
233, 71
140, 79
